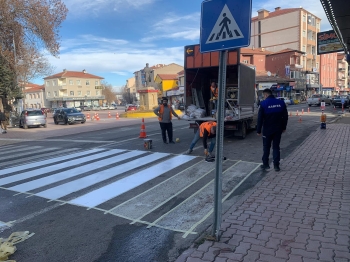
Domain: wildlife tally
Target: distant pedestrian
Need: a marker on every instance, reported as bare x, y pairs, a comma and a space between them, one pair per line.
3, 123
215, 94
272, 119
164, 113
206, 130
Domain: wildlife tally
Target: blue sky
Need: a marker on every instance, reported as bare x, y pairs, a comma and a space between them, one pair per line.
114, 38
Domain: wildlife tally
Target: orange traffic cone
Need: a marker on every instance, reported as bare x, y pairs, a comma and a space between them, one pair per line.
143, 130
117, 116
297, 112
109, 115
97, 117
302, 111
290, 114
88, 116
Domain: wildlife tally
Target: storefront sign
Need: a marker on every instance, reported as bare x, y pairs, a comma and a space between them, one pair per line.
328, 42
263, 86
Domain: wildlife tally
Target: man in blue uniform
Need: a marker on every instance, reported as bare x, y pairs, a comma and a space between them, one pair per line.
272, 119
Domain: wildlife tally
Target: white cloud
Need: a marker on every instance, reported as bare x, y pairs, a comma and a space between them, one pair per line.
175, 27
79, 6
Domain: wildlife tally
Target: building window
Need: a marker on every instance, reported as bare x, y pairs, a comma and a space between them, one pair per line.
54, 93
48, 94
48, 83
259, 27
87, 82
96, 83
78, 82
304, 33
31, 96
304, 48
245, 61
38, 95
317, 65
304, 18
97, 92
259, 41
71, 82
88, 93
71, 93
79, 93
53, 82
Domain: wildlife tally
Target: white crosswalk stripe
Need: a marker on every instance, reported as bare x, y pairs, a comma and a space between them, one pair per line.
111, 180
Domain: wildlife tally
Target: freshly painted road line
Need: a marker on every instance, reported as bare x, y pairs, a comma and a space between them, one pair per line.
43, 170
48, 161
106, 193
11, 152
25, 187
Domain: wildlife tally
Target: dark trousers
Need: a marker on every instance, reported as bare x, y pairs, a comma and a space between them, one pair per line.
167, 127
275, 140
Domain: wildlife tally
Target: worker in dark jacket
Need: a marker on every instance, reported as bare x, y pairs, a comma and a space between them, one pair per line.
272, 119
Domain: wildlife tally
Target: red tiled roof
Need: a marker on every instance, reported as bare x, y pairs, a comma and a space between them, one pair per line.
77, 74
31, 85
181, 73
287, 50
34, 89
277, 13
255, 51
168, 76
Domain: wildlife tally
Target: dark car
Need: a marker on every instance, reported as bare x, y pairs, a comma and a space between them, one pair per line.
337, 101
69, 116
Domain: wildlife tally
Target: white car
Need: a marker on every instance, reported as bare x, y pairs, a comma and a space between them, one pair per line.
104, 107
285, 99
112, 107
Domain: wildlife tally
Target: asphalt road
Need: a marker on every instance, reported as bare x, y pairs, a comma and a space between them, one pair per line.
100, 196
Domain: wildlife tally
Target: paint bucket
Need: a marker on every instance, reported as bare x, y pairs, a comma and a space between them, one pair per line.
147, 143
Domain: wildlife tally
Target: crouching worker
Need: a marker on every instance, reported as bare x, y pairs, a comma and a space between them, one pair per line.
206, 130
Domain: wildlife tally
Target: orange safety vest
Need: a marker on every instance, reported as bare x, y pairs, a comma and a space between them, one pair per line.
161, 112
206, 126
215, 91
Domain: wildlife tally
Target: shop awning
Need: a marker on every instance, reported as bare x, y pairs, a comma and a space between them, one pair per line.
338, 14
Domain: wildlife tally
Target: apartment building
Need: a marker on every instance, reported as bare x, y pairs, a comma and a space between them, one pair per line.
329, 72
342, 74
73, 89
293, 28
34, 96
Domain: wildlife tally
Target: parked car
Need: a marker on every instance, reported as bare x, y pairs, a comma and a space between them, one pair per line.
111, 107
87, 108
77, 108
32, 117
55, 112
96, 108
69, 116
285, 99
317, 99
131, 108
104, 107
337, 101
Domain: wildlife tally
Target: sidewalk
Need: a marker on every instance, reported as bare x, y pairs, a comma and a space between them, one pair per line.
299, 214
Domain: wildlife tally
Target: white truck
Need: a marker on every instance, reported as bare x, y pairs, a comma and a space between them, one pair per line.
317, 99
241, 104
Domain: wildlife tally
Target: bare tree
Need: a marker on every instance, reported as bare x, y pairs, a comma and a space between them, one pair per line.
108, 92
26, 28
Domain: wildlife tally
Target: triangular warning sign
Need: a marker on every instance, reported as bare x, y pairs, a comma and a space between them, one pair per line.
225, 28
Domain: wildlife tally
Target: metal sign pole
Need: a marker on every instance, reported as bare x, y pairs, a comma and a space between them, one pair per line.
219, 145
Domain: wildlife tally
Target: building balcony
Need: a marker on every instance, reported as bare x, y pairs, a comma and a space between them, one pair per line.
61, 87
341, 69
311, 42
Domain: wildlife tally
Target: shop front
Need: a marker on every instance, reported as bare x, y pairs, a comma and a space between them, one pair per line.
176, 94
68, 102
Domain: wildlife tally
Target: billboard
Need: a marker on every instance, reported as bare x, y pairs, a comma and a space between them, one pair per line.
328, 42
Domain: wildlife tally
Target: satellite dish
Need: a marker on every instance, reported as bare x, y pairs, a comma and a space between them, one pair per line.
268, 73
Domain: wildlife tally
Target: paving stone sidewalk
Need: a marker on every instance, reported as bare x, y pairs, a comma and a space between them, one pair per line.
299, 214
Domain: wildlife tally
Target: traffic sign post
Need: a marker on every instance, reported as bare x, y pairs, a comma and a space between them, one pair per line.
225, 24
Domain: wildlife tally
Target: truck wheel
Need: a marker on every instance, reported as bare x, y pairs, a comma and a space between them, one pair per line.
243, 130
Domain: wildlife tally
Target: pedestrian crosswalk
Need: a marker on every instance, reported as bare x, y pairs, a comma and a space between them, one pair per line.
141, 186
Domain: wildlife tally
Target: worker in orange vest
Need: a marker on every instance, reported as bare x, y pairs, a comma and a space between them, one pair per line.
164, 113
206, 130
215, 94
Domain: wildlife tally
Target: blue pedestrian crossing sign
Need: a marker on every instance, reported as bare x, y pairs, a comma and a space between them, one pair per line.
225, 24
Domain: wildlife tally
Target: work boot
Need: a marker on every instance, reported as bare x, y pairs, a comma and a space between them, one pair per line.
165, 142
264, 167
189, 151
171, 142
277, 168
209, 159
